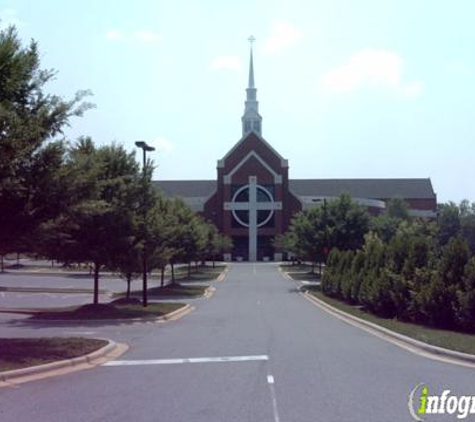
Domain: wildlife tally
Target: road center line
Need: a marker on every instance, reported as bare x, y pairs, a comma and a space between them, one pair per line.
186, 360
271, 382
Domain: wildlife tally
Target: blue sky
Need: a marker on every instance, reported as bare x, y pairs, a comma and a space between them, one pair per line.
346, 88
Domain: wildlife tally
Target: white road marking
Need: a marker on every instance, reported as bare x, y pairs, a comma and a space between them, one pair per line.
254, 269
82, 333
186, 360
271, 382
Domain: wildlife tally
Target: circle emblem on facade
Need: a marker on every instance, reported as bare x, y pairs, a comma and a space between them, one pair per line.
242, 195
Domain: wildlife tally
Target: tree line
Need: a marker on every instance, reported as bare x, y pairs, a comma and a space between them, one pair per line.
395, 266
78, 202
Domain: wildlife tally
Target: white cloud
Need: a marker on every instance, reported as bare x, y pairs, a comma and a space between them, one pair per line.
9, 17
226, 62
147, 36
282, 36
113, 35
412, 89
458, 69
163, 144
372, 67
141, 36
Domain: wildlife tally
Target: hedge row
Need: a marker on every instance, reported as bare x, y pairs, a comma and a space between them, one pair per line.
410, 278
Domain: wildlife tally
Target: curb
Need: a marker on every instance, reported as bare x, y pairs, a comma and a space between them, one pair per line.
224, 274
49, 369
285, 274
171, 315
408, 343
209, 292
179, 313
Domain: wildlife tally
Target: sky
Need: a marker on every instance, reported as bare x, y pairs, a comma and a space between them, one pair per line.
346, 89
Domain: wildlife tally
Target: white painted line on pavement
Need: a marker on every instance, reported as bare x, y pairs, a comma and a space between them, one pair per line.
271, 382
186, 360
82, 333
254, 269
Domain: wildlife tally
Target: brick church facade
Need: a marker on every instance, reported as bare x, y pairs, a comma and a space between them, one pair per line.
252, 200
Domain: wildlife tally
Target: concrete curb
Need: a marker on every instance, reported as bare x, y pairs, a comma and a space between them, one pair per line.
408, 343
224, 274
284, 274
171, 315
209, 292
67, 365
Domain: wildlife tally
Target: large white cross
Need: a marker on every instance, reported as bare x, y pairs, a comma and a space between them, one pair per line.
253, 206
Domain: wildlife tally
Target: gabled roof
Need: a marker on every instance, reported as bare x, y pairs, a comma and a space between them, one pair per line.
364, 188
186, 188
243, 139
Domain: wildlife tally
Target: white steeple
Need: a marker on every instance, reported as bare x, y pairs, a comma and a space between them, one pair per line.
251, 120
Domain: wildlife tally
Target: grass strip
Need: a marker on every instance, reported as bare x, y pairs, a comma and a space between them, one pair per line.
178, 290
47, 290
16, 353
172, 290
453, 340
106, 311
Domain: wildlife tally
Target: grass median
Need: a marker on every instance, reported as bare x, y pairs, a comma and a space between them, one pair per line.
16, 353
452, 340
174, 290
119, 309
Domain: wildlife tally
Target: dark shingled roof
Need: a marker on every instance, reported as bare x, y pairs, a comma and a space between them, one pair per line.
186, 188
357, 188
364, 188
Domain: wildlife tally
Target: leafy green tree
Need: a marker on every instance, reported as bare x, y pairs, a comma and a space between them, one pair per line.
30, 186
338, 223
224, 244
449, 222
397, 208
96, 229
467, 223
465, 308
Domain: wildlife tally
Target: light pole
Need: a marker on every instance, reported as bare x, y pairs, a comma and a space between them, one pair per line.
145, 148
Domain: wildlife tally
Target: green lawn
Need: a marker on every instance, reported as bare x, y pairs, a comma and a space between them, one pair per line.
23, 352
47, 290
453, 340
304, 276
296, 267
178, 290
172, 290
207, 273
106, 311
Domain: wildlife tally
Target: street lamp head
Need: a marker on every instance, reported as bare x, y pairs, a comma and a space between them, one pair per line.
144, 146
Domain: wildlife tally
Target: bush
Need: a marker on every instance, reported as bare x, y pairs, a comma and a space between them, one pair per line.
465, 303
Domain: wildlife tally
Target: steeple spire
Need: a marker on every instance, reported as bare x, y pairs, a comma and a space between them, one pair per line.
251, 66
251, 120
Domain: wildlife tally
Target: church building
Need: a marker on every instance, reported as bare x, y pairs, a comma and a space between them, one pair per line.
252, 200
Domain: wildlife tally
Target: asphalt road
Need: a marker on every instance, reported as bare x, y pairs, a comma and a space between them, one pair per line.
288, 361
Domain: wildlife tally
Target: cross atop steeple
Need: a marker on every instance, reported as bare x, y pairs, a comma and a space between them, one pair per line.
251, 121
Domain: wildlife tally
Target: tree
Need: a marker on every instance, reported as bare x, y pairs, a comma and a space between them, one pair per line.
397, 208
30, 187
338, 223
449, 222
99, 226
467, 223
